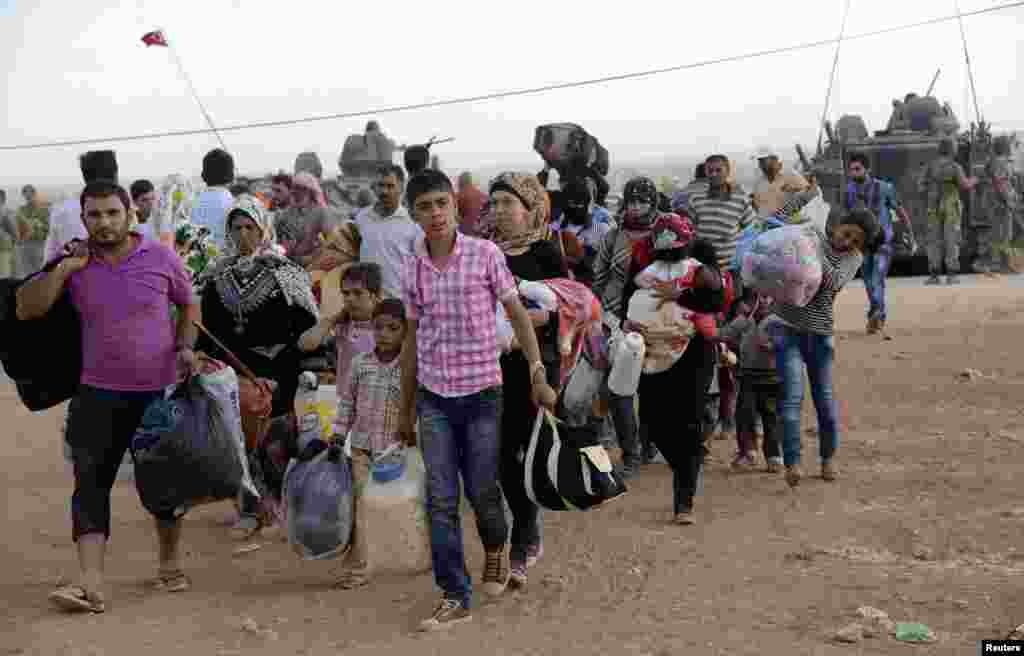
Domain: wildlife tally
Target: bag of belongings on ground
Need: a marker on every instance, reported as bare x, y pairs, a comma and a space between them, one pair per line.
566, 468
318, 501
189, 448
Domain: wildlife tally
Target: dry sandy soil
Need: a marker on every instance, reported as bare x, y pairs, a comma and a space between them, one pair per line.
924, 524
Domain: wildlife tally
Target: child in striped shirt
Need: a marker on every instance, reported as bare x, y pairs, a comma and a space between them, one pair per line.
368, 412
804, 335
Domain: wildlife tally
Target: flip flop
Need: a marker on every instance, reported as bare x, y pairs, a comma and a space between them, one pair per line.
76, 598
172, 582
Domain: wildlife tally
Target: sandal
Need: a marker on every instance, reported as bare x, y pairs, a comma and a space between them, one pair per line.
77, 598
246, 528
172, 581
351, 581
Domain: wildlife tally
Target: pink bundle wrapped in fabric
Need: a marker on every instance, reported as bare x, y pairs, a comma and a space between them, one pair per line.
785, 264
579, 313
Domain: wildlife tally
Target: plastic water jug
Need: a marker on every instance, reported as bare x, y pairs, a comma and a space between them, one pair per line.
627, 365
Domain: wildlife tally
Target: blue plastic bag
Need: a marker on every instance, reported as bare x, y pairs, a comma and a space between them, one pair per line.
318, 504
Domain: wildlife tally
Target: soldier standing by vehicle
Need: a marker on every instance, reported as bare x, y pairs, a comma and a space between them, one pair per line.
941, 183
999, 201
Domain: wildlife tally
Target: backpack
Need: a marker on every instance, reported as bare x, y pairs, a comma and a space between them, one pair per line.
42, 356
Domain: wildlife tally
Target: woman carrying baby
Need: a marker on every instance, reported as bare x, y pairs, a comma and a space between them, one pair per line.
673, 290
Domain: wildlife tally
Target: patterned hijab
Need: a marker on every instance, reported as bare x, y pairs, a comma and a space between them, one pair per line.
527, 188
245, 282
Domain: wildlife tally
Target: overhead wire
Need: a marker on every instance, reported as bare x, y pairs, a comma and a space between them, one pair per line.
515, 92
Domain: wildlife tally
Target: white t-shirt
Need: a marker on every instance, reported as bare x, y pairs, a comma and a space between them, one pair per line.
211, 211
387, 241
65, 225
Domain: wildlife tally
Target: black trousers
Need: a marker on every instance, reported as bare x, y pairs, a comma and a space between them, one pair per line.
672, 406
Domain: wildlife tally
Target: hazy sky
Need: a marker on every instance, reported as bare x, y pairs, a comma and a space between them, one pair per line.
79, 70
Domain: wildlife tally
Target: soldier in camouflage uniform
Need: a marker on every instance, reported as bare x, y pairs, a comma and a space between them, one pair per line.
999, 203
941, 183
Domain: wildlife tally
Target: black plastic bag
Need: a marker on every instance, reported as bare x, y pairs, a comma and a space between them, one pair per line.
566, 468
189, 448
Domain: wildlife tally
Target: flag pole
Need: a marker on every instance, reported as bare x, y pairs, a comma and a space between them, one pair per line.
192, 89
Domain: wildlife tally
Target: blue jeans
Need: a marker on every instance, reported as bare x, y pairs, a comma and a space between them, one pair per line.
876, 268
461, 435
794, 349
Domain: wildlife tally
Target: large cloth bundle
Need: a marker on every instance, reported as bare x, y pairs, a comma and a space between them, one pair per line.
566, 468
42, 356
567, 147
394, 515
318, 499
785, 264
189, 448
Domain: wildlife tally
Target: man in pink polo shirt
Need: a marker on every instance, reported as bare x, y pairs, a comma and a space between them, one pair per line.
123, 288
451, 379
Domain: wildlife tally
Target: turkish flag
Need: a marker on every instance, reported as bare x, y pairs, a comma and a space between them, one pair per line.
154, 39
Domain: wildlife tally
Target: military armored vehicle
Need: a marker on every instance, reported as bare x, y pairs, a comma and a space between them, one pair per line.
899, 154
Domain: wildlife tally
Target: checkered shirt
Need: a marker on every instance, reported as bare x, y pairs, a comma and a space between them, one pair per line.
457, 338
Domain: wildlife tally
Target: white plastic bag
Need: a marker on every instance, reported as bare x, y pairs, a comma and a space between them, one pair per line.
394, 516
785, 264
505, 333
578, 396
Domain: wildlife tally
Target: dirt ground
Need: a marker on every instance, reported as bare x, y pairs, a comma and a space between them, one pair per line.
925, 524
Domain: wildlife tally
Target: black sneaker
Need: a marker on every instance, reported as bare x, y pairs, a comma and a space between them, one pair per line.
447, 614
933, 280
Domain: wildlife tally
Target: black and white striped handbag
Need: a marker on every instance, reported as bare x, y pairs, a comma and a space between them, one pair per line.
566, 468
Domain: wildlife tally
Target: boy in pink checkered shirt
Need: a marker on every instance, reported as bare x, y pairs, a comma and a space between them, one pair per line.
451, 380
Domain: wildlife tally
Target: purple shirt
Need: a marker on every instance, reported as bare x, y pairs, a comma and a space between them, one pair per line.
128, 336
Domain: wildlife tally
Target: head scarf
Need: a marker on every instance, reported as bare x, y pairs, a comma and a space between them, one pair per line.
307, 181
527, 188
671, 231
644, 190
245, 282
251, 207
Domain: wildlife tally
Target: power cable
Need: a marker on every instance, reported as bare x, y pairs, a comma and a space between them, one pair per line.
517, 92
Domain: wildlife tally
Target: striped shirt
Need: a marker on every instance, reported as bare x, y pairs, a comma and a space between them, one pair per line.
611, 267
457, 337
720, 219
817, 316
369, 404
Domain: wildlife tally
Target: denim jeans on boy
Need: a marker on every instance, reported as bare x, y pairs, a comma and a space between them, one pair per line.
875, 271
461, 436
794, 349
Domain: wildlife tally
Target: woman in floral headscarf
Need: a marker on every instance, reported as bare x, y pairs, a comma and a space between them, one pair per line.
257, 303
300, 226
518, 224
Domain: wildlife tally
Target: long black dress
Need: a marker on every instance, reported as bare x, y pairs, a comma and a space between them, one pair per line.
672, 402
542, 261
